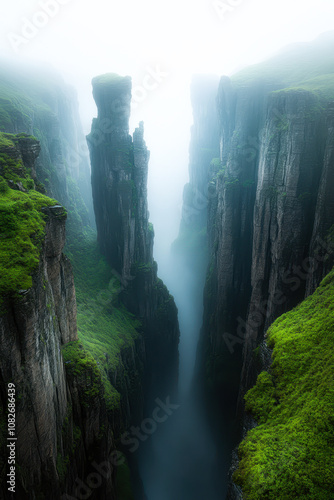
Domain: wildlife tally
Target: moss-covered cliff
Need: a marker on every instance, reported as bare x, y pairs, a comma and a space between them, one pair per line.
290, 453
56, 432
270, 216
81, 361
37, 102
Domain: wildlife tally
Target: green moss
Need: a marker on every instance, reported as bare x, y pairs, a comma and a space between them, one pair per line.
3, 185
11, 166
108, 79
220, 174
142, 267
261, 398
81, 364
291, 453
62, 465
215, 162
104, 325
307, 67
21, 228
123, 482
6, 140
231, 183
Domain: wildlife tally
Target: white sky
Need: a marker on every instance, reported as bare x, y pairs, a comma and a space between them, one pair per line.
181, 37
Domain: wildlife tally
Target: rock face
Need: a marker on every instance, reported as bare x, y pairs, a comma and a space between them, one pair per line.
65, 400
119, 179
42, 105
55, 433
290, 255
191, 246
270, 214
119, 183
270, 221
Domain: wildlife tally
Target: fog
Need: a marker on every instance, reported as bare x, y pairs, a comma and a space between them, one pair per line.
172, 40
161, 45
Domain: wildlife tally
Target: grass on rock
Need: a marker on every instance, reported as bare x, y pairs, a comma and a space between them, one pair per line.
290, 454
104, 324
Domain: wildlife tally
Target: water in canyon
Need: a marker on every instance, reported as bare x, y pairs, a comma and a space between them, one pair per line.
181, 460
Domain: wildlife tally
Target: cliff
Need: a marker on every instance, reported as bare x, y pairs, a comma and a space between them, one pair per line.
125, 236
37, 102
289, 454
82, 362
190, 250
55, 432
269, 215
270, 220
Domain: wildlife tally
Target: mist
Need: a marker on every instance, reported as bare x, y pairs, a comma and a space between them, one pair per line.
169, 41
161, 46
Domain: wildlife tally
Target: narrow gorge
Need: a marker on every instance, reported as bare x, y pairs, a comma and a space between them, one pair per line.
79, 392
219, 386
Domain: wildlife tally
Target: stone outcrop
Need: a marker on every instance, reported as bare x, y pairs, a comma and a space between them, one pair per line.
119, 183
55, 433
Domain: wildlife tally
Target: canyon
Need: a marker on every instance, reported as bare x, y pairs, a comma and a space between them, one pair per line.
100, 351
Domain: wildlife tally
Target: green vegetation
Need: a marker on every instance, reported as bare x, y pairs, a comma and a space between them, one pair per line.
104, 325
231, 183
108, 79
62, 465
143, 267
6, 140
261, 398
304, 67
123, 482
219, 168
21, 223
290, 454
215, 162
81, 365
22, 96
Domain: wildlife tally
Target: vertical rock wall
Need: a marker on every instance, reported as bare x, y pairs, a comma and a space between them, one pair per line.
119, 183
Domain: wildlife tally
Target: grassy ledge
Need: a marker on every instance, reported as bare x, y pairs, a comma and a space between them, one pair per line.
22, 223
314, 71
290, 454
104, 325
